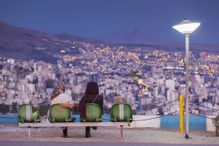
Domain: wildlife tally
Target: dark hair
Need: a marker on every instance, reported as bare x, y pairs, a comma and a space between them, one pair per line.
55, 94
92, 88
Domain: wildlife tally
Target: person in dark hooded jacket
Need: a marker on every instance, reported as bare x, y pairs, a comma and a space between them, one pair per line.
91, 96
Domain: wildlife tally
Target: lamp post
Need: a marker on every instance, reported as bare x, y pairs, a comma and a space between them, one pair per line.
187, 27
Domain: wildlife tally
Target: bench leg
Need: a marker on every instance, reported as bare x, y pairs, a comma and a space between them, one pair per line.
29, 132
121, 131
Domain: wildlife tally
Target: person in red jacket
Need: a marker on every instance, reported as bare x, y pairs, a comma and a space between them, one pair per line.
91, 96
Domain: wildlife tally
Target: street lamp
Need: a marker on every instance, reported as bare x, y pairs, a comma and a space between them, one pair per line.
187, 27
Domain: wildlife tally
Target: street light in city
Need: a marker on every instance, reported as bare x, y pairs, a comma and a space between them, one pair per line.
187, 27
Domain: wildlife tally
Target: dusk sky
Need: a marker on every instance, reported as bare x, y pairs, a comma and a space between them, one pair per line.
98, 18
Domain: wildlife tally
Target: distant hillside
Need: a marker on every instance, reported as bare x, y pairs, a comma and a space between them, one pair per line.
136, 36
21, 43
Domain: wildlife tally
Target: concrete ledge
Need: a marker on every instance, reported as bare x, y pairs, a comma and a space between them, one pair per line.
209, 124
145, 121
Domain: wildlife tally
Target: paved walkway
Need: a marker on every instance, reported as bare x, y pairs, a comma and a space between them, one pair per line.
48, 143
131, 135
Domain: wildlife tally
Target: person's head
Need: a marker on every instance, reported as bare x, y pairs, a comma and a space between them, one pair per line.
55, 93
59, 88
92, 88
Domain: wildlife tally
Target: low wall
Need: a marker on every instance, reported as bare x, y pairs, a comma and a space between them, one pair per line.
209, 124
145, 121
195, 122
8, 119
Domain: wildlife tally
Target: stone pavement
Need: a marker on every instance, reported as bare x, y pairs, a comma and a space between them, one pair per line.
50, 143
104, 134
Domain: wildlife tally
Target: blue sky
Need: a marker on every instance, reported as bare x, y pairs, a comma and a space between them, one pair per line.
98, 18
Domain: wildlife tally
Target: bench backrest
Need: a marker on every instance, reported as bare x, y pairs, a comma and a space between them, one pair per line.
26, 114
121, 113
93, 113
59, 114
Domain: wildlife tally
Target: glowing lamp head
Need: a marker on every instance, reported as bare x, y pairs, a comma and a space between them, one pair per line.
186, 26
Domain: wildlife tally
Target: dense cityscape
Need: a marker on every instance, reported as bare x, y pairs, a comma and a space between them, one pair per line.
146, 78
116, 72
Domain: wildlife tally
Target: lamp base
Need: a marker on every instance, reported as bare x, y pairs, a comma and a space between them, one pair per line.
187, 136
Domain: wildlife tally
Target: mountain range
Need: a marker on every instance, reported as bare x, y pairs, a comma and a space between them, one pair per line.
21, 43
139, 38
136, 36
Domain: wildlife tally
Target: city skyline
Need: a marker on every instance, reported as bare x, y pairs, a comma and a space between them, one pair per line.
98, 19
